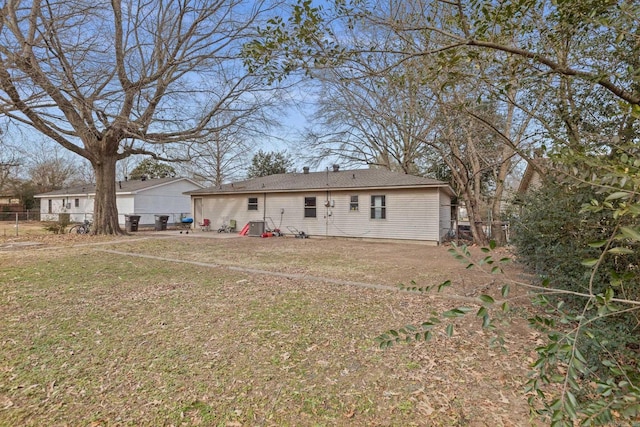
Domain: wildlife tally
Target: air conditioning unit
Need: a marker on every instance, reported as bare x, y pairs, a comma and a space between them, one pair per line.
256, 228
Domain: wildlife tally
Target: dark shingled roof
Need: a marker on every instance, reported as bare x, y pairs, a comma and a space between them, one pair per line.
122, 187
328, 180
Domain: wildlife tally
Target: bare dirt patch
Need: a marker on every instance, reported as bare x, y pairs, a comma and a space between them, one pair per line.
90, 336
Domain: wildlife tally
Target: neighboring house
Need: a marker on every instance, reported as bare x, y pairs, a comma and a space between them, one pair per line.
533, 174
10, 204
147, 198
363, 203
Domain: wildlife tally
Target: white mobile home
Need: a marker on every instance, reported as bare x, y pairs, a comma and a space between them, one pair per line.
364, 203
146, 198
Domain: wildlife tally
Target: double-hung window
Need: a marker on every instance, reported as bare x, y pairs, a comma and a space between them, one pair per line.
378, 207
309, 207
252, 205
353, 203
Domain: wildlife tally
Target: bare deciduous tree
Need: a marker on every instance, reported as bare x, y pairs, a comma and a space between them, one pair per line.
374, 120
415, 116
226, 154
48, 166
219, 159
52, 174
111, 80
9, 164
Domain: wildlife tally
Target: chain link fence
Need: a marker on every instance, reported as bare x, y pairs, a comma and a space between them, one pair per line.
20, 216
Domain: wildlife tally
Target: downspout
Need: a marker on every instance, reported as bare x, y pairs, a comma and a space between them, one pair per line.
440, 225
264, 208
326, 213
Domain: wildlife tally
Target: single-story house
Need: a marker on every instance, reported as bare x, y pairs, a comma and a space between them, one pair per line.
10, 203
143, 197
362, 203
533, 176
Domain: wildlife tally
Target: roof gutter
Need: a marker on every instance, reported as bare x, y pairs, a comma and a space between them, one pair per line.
303, 190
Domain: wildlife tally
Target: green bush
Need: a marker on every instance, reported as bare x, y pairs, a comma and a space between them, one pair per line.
581, 239
562, 242
553, 236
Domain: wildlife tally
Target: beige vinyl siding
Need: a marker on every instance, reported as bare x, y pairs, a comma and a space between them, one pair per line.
279, 210
445, 214
293, 216
411, 214
225, 207
343, 222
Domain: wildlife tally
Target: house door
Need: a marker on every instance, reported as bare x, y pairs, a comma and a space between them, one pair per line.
197, 210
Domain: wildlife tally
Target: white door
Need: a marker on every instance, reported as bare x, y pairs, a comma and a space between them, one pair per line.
197, 210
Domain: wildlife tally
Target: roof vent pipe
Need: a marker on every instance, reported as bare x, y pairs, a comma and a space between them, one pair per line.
336, 168
305, 170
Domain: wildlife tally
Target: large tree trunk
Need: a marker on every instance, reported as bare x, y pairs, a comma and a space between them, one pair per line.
105, 213
508, 151
475, 220
497, 231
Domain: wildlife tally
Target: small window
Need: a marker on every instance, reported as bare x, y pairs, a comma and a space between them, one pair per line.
50, 206
378, 207
253, 204
76, 203
353, 204
309, 207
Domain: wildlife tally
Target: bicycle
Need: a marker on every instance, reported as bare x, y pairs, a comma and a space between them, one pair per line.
225, 228
83, 228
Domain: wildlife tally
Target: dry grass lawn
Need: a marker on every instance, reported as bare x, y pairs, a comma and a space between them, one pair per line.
176, 330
